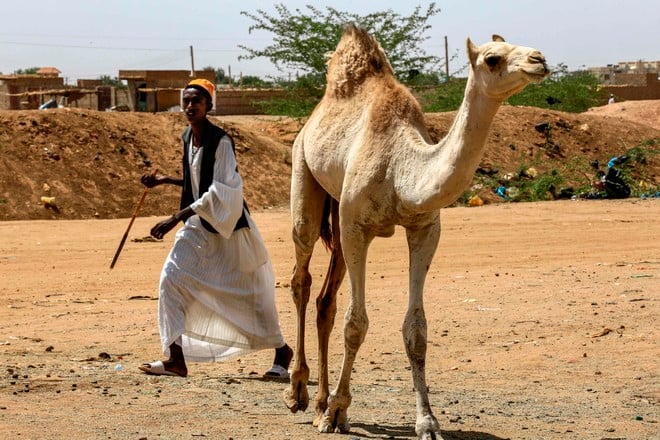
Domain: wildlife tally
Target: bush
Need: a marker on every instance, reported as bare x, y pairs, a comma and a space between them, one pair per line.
635, 172
443, 98
573, 176
565, 91
301, 97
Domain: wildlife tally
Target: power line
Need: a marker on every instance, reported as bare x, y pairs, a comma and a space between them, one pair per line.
131, 37
72, 46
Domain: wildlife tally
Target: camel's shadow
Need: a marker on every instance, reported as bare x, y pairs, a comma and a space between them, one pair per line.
394, 431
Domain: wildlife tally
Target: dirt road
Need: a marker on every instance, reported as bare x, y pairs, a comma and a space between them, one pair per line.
543, 324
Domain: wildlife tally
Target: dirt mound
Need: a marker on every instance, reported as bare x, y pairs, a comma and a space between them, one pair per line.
643, 112
90, 162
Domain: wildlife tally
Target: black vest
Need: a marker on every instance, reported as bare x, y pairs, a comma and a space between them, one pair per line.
212, 136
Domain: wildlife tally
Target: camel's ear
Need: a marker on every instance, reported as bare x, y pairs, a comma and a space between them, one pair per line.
498, 38
472, 51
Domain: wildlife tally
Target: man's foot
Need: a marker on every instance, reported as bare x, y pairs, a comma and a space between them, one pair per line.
283, 356
160, 368
279, 370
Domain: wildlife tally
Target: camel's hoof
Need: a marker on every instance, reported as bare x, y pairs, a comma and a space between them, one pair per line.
318, 419
319, 409
428, 428
334, 421
296, 399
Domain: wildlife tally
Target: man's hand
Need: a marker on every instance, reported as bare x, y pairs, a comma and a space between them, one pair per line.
164, 227
152, 180
168, 224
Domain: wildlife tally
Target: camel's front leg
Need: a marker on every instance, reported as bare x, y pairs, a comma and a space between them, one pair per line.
422, 244
356, 323
307, 202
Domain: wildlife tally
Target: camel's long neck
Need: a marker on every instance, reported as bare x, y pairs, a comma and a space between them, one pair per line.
457, 156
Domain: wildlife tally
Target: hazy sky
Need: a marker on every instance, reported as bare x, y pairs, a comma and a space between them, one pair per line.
90, 38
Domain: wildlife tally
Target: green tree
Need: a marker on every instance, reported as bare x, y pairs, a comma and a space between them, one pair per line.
301, 40
107, 80
220, 75
254, 81
27, 71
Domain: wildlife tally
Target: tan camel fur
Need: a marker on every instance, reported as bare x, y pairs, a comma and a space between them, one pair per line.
365, 158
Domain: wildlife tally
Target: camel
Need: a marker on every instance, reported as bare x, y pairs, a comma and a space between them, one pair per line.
363, 163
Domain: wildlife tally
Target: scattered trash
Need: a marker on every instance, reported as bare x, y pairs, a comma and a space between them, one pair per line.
542, 127
512, 192
487, 309
48, 201
119, 367
610, 183
607, 331
530, 172
147, 239
507, 193
475, 201
48, 104
603, 332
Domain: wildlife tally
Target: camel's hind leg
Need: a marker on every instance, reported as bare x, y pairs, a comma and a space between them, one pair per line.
326, 305
422, 244
307, 203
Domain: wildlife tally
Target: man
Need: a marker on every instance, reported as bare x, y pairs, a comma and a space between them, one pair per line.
217, 288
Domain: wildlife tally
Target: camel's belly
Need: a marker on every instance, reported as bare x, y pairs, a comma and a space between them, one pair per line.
331, 183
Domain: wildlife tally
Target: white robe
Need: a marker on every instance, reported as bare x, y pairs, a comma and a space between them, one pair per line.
217, 291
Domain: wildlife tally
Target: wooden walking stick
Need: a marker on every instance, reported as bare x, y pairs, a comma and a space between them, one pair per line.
135, 214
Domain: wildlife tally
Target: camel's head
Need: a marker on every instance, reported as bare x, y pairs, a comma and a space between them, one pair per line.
501, 69
357, 56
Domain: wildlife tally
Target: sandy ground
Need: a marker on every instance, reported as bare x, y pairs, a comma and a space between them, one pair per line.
542, 325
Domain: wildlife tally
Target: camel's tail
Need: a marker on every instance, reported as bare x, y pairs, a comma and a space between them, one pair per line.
330, 224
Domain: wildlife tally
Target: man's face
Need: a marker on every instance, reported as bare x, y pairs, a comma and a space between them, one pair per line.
194, 105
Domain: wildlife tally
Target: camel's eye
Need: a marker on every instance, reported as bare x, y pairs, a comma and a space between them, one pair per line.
493, 60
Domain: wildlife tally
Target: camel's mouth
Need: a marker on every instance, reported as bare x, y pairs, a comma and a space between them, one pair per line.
536, 74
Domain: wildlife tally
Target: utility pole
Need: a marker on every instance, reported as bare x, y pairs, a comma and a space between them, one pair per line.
192, 62
446, 59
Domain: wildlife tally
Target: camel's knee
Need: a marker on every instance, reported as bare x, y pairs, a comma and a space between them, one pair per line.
355, 330
301, 281
305, 235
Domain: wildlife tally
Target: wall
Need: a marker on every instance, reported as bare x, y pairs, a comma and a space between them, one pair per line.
243, 102
26, 91
650, 90
158, 90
